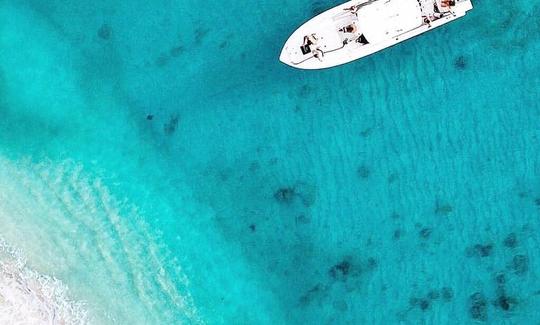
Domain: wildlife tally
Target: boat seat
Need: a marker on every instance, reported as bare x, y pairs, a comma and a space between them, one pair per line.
305, 49
362, 40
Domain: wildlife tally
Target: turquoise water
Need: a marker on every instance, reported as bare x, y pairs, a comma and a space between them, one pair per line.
158, 160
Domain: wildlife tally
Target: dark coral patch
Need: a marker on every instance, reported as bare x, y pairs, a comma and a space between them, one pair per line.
413, 301
366, 132
363, 172
346, 268
443, 209
424, 304
307, 193
511, 240
520, 264
500, 279
302, 219
254, 166
341, 269
425, 233
421, 303
478, 306
504, 302
285, 195
393, 178
170, 127
483, 250
149, 117
447, 293
340, 305
460, 62
176, 51
479, 250
433, 294
305, 90
105, 32
223, 44
372, 263
200, 34
252, 227
311, 294
162, 60
301, 192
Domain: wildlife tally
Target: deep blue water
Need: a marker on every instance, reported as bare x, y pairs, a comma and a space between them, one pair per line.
158, 160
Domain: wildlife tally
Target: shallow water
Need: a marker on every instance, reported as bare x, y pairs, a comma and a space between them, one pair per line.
158, 160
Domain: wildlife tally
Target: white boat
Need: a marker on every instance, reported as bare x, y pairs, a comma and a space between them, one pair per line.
357, 29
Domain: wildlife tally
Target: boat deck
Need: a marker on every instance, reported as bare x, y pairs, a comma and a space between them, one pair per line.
427, 6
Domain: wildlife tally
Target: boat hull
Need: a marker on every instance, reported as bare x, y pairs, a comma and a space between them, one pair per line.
330, 42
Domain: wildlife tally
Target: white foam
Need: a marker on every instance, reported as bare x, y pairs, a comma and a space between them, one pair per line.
27, 297
100, 246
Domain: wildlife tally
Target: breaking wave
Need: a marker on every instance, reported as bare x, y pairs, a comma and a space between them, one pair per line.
28, 297
99, 246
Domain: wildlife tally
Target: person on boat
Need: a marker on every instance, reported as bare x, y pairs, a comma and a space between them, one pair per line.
448, 3
318, 54
310, 40
349, 29
436, 12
